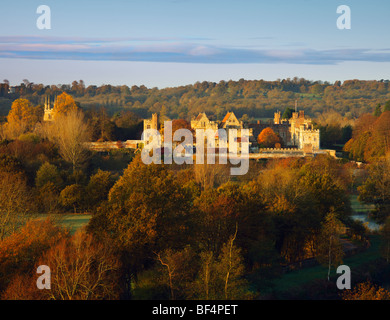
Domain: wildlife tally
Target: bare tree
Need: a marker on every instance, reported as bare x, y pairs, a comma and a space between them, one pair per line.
170, 270
15, 202
82, 269
3, 132
70, 132
207, 175
230, 263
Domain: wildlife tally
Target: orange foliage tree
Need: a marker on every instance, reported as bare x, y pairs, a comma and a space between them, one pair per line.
80, 269
366, 291
268, 138
20, 251
371, 138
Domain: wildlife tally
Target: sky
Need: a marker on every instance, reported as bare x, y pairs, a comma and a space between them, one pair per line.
165, 43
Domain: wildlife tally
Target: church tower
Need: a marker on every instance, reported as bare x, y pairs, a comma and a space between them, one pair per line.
48, 111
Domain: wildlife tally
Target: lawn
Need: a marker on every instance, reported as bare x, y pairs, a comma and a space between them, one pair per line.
75, 221
71, 221
298, 278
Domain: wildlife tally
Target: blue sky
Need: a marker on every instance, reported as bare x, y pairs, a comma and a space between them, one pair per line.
176, 42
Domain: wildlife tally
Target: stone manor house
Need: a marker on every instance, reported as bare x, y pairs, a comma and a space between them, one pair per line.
297, 132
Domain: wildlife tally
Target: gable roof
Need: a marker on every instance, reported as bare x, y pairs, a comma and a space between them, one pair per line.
227, 117
200, 116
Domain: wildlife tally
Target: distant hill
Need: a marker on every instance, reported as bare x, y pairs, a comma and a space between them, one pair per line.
255, 98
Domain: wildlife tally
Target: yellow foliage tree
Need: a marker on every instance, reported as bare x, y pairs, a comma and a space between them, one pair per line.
22, 118
366, 291
64, 103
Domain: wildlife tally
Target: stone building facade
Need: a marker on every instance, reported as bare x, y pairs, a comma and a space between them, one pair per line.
297, 132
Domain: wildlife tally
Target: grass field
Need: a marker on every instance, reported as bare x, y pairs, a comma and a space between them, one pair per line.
71, 221
298, 278
75, 221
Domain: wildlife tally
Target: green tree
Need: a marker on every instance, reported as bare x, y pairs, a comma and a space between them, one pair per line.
378, 110
376, 188
98, 187
48, 173
387, 106
287, 114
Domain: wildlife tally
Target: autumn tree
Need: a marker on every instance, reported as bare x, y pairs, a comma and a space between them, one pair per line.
64, 103
371, 138
330, 250
101, 125
366, 291
376, 188
48, 198
22, 249
22, 118
215, 217
98, 187
81, 269
48, 173
16, 202
73, 196
178, 268
202, 286
221, 275
180, 124
209, 175
70, 132
268, 138
146, 212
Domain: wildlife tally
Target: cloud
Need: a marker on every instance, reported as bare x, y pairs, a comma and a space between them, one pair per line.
188, 50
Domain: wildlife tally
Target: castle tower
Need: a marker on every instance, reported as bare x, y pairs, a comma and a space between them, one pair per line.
150, 124
277, 117
155, 121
